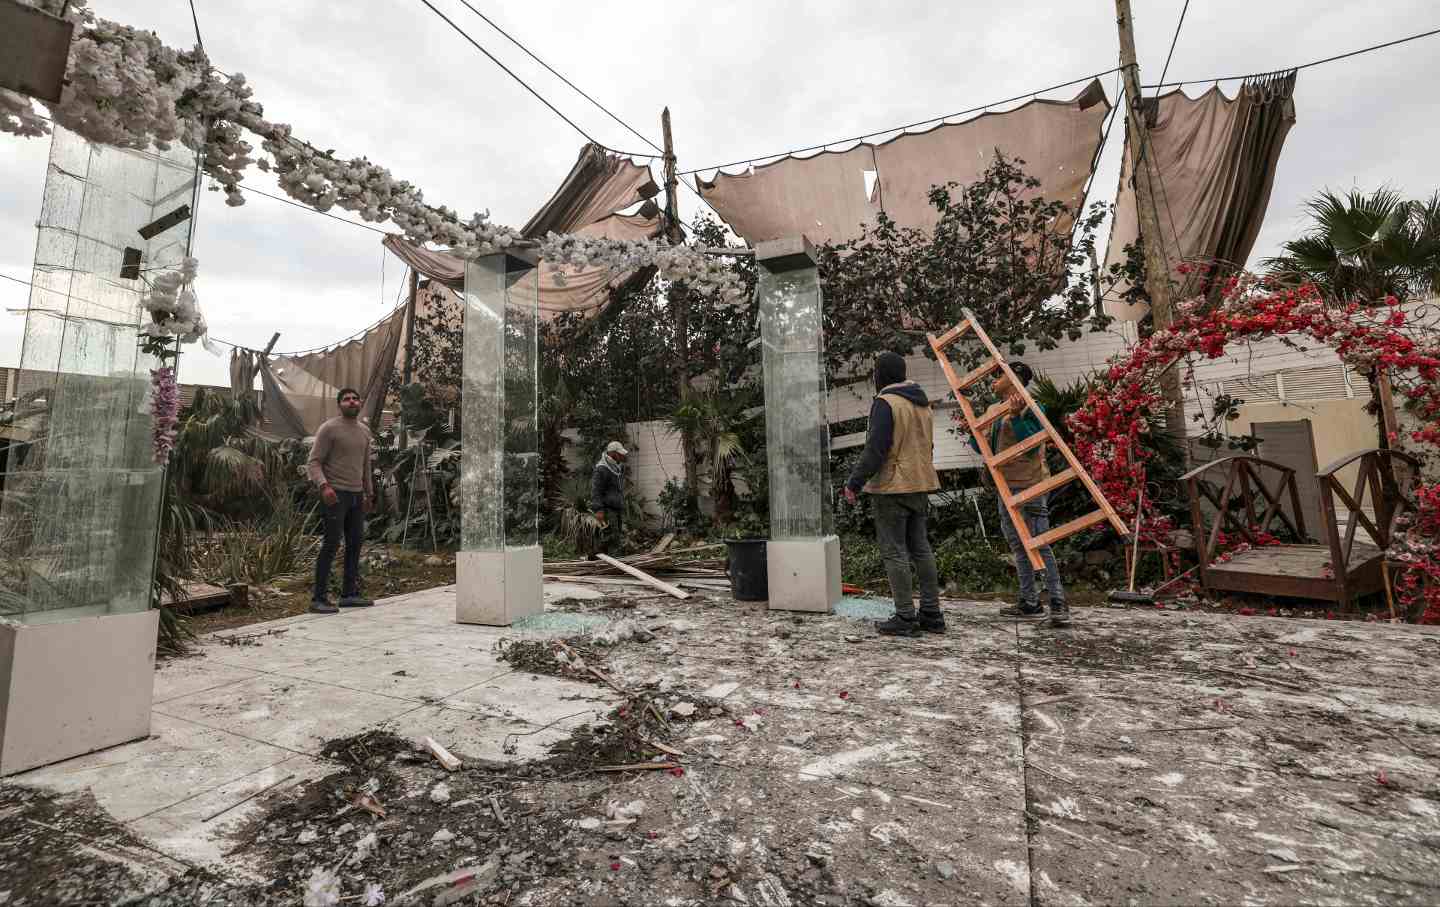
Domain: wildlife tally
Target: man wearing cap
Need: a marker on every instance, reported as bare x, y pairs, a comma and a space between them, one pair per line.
607, 496
1021, 473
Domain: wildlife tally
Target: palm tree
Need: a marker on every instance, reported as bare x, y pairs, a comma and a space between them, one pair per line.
1366, 247
712, 419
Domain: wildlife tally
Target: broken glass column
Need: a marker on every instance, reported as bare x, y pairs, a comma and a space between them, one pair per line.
499, 563
803, 553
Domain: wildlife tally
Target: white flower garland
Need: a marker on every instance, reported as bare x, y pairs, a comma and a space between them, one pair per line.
129, 90
173, 307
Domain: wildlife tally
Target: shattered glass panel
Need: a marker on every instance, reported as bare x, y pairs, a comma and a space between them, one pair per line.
81, 492
499, 461
796, 430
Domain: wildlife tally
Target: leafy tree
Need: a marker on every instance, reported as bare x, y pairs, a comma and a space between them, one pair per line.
995, 251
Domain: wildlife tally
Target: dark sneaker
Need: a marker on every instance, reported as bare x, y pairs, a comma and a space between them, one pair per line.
355, 601
1027, 612
1060, 617
898, 626
931, 623
323, 608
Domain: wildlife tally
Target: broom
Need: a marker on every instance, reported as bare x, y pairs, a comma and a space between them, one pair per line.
1130, 596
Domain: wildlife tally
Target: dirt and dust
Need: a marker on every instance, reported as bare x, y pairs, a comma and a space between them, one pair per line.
762, 758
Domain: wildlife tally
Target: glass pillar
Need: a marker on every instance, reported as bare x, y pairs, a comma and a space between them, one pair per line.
81, 491
803, 552
499, 563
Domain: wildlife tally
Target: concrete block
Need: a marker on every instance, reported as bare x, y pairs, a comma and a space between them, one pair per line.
497, 588
73, 687
804, 574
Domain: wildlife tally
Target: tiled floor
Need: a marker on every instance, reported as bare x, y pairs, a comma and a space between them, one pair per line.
236, 719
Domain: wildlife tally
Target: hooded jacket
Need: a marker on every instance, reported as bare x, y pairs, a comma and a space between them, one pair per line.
899, 455
607, 485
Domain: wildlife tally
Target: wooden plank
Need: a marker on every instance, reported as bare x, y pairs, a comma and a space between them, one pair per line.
950, 336
1015, 451
1039, 488
991, 414
976, 374
663, 543
643, 576
1070, 528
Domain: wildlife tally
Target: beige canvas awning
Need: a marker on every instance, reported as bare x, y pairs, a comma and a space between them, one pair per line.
1216, 160
825, 197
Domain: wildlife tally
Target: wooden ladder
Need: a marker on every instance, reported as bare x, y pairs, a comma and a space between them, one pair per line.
978, 426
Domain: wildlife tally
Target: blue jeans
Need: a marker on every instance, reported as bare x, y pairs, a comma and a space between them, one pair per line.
900, 529
346, 516
1037, 520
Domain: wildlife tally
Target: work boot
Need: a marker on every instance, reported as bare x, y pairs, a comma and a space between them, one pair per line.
931, 623
323, 607
355, 601
1025, 612
1060, 615
898, 625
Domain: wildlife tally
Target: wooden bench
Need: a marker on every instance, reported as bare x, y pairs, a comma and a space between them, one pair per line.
1249, 496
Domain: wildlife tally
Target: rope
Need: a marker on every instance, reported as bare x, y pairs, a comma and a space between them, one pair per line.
859, 138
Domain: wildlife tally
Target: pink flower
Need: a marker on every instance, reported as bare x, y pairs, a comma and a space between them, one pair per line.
164, 411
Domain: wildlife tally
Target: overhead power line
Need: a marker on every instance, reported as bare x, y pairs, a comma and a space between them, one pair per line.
295, 204
1178, 25
553, 72
868, 135
526, 85
1345, 56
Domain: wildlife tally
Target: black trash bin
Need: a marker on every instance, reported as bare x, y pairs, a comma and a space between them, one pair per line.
746, 567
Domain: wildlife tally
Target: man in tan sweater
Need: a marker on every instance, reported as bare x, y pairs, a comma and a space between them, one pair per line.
340, 467
897, 470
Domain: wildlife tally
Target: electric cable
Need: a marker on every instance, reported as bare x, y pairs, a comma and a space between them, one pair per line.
526, 85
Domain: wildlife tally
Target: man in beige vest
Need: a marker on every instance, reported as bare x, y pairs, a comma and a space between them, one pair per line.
897, 470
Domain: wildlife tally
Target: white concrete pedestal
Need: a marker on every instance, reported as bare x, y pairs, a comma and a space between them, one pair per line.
804, 574
497, 588
74, 686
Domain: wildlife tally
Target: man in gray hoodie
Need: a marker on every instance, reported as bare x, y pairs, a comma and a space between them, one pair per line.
897, 470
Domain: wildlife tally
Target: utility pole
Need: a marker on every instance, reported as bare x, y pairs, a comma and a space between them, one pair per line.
1157, 272
679, 297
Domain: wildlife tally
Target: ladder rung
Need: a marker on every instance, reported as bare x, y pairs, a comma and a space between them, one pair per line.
991, 415
977, 374
1039, 488
951, 335
1070, 528
1010, 453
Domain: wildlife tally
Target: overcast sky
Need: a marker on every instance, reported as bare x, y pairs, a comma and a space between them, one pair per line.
389, 80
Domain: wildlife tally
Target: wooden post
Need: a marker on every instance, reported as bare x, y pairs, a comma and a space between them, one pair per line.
1157, 276
405, 370
680, 302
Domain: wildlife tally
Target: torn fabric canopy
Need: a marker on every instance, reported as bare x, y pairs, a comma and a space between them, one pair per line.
828, 197
300, 390
584, 290
1215, 160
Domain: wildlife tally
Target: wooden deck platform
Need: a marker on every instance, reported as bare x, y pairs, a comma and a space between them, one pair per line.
1298, 571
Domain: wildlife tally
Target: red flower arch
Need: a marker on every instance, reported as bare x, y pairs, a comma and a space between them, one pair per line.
1109, 426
